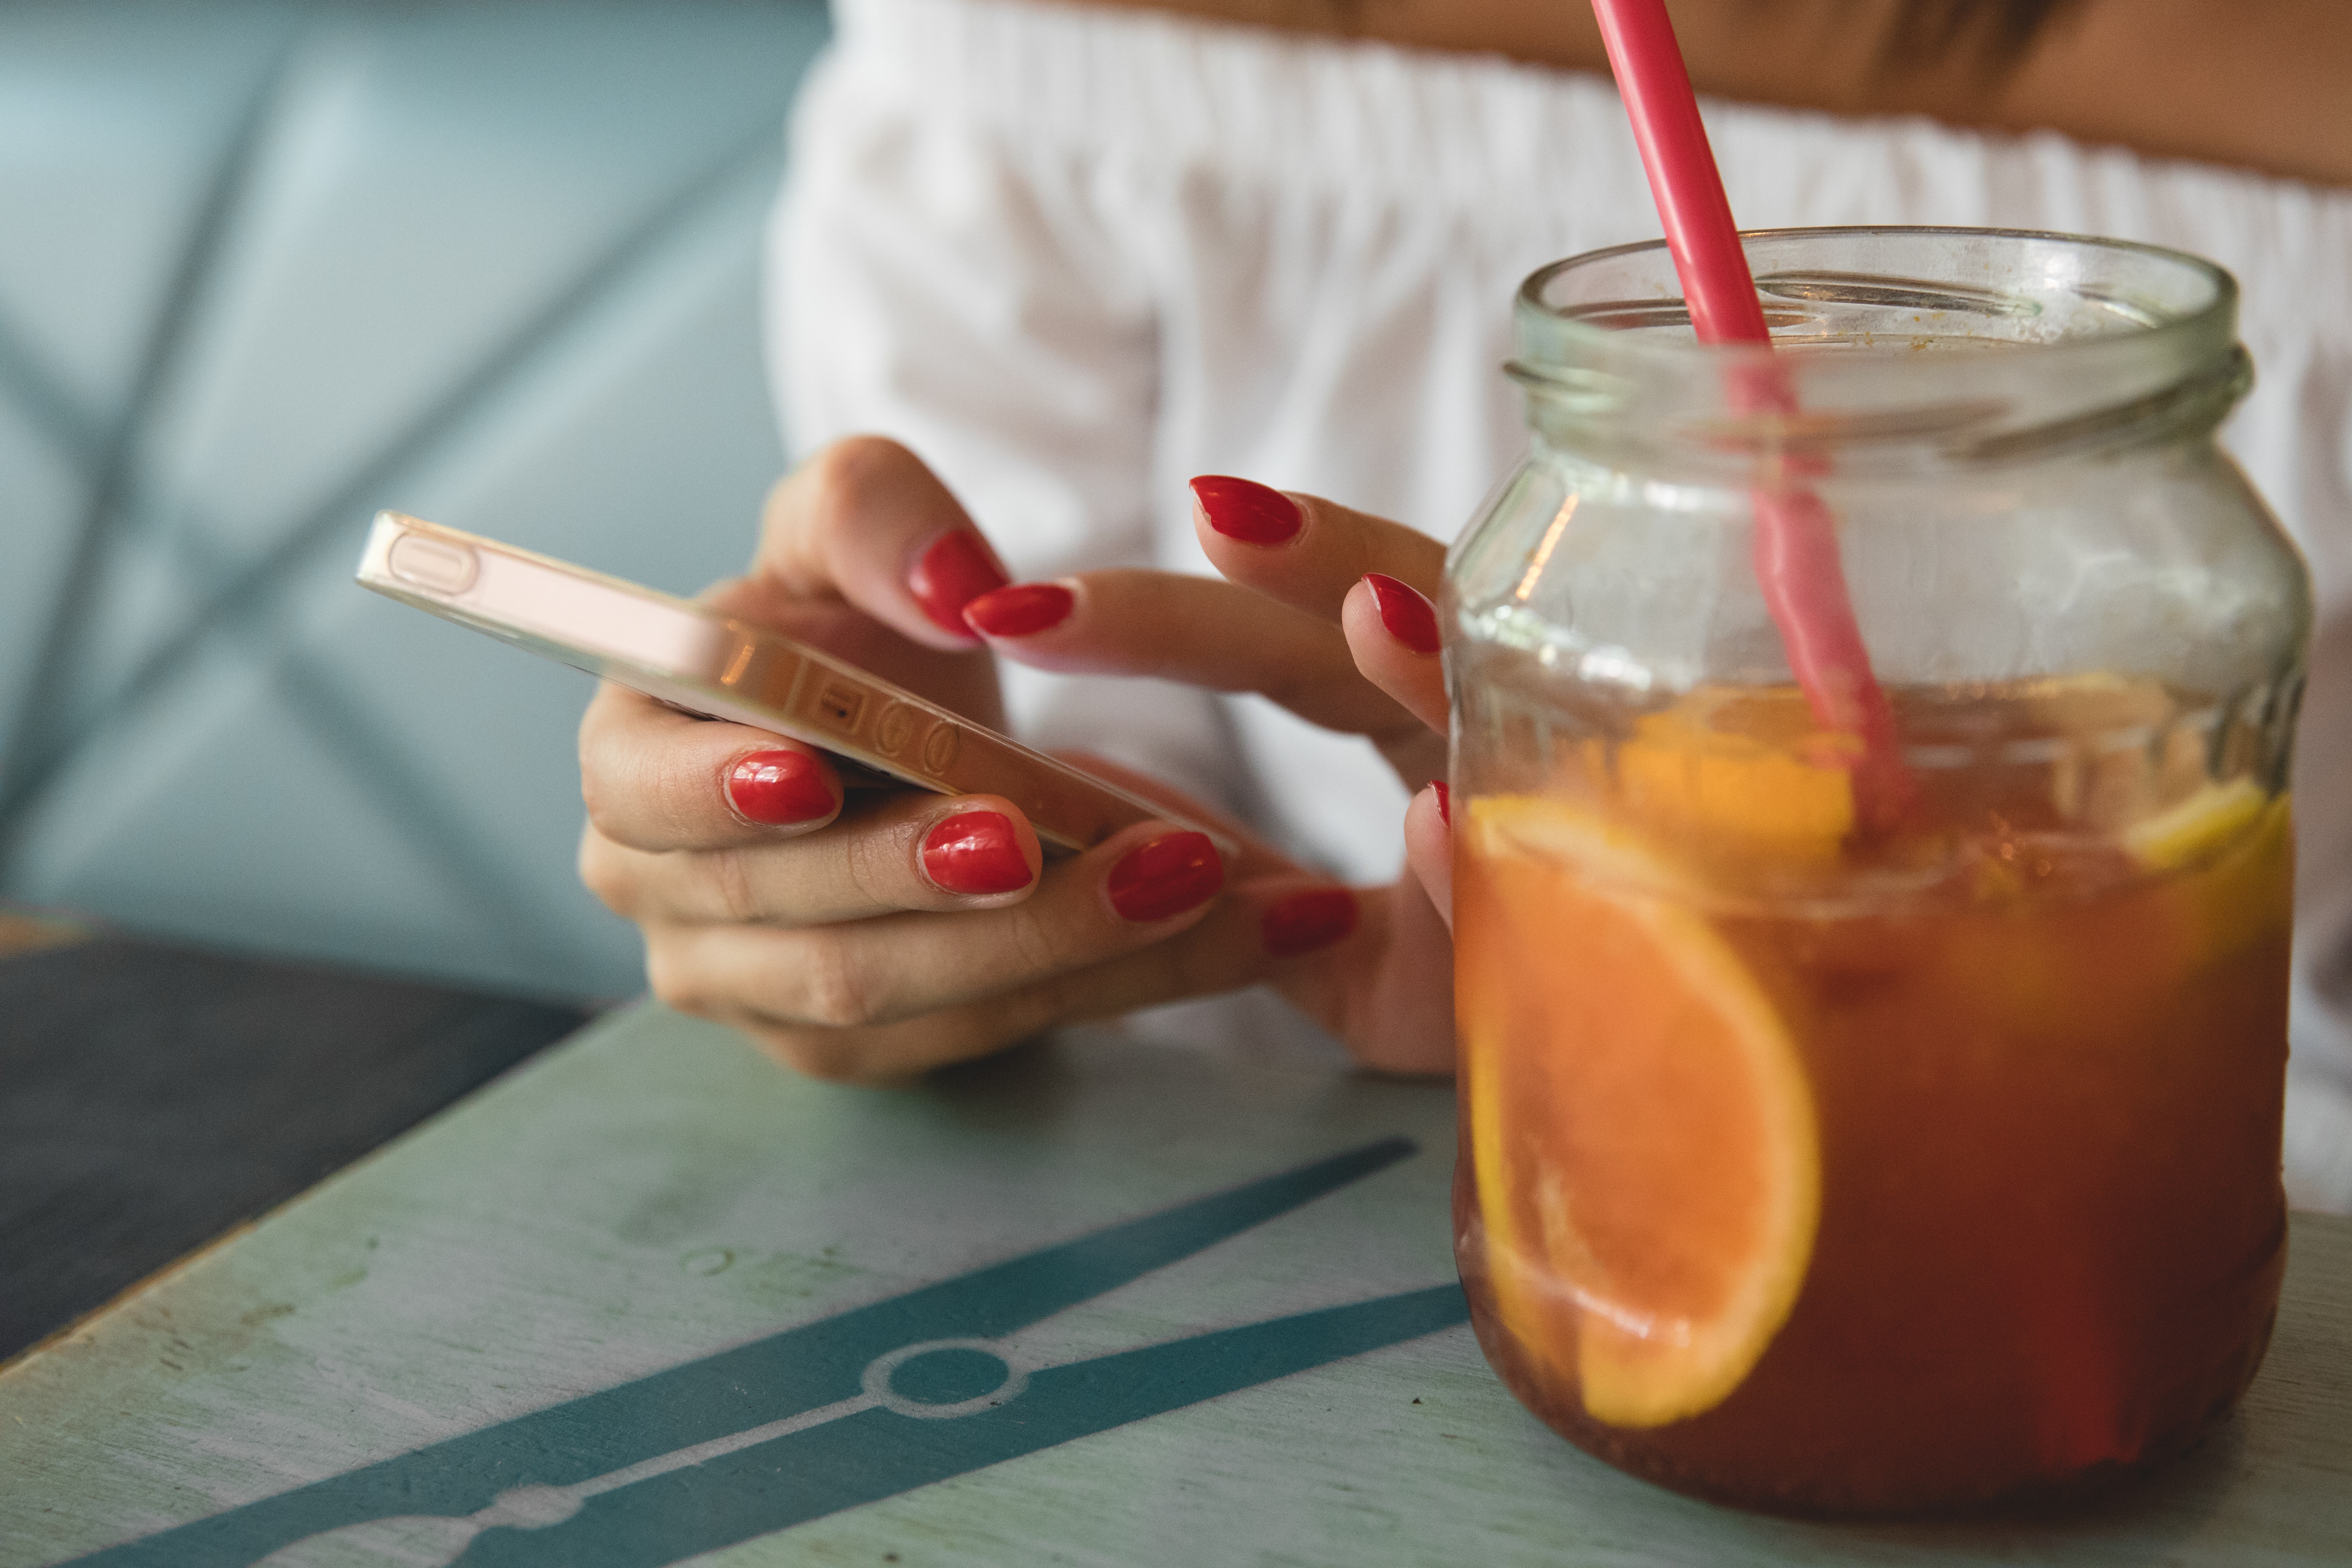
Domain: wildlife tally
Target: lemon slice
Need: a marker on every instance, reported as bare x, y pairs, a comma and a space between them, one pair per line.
2230, 848
2198, 826
1647, 1163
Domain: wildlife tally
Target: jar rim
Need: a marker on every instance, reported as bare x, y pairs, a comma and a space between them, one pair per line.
2219, 307
2099, 340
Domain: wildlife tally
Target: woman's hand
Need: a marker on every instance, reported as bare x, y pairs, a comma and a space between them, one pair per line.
874, 934
1326, 611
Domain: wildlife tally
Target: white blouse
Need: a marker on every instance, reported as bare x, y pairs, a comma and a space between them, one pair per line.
1073, 256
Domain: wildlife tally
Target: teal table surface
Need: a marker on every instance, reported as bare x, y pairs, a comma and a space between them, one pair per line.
1179, 1292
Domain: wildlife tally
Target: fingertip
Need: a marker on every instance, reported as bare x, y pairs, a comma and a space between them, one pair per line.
780, 786
1406, 614
1169, 873
1359, 617
1245, 510
1396, 644
1431, 812
1021, 610
982, 848
1308, 921
948, 572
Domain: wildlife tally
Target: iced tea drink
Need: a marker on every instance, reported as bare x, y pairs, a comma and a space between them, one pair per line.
1914, 1151
1859, 1178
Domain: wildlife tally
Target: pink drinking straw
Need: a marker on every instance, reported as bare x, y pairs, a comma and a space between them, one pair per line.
1796, 539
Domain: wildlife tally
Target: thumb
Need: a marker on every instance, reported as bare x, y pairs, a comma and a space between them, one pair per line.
863, 521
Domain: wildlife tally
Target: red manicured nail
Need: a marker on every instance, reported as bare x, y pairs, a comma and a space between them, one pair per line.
779, 787
1305, 921
1410, 618
1165, 876
1022, 610
954, 570
975, 852
1246, 510
1445, 801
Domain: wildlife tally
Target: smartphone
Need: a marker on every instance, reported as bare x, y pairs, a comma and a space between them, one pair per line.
708, 664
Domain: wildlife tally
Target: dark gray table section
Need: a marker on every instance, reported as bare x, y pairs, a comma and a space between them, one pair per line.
152, 1098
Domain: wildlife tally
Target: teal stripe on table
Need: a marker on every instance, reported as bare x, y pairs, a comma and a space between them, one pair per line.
872, 1454
655, 1194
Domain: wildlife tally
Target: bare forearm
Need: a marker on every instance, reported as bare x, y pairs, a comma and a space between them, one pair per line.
2266, 84
2262, 83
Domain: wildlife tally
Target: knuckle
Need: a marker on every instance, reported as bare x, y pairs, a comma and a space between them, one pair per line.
673, 982
827, 1055
688, 789
852, 473
729, 873
1039, 944
836, 991
596, 794
605, 872
867, 862
588, 741
1055, 1000
623, 795
1193, 965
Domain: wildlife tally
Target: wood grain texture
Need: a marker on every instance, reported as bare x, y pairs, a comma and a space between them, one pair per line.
655, 1191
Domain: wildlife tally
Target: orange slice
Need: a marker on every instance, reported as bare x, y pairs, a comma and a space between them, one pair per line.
1643, 1132
1742, 774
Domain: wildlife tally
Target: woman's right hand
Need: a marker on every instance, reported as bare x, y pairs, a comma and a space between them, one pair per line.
878, 933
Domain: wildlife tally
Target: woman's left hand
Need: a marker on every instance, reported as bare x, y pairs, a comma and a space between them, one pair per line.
1326, 611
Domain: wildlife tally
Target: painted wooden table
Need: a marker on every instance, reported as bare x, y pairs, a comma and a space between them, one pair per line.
1123, 1298
152, 1096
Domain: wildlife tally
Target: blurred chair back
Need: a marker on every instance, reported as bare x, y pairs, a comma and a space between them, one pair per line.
266, 268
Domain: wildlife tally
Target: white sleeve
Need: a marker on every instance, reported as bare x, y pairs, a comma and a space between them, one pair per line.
929, 281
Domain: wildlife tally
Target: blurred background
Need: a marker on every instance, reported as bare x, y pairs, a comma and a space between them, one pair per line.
266, 268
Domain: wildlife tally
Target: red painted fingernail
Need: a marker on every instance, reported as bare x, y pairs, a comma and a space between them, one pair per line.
1410, 618
1165, 876
1445, 801
779, 787
1246, 510
1022, 610
975, 852
1305, 921
954, 570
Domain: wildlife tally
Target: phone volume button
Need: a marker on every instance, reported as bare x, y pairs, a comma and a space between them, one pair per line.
894, 729
939, 747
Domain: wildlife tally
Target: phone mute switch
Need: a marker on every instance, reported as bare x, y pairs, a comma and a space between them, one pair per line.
432, 564
840, 707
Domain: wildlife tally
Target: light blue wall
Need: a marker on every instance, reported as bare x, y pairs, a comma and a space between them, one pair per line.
265, 267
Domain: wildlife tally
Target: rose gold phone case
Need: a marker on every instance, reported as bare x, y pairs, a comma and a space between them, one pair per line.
702, 661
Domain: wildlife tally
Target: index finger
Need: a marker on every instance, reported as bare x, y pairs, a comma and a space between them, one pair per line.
1303, 550
1378, 580
1201, 632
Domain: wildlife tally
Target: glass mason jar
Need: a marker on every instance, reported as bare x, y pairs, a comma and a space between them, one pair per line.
1835, 1145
